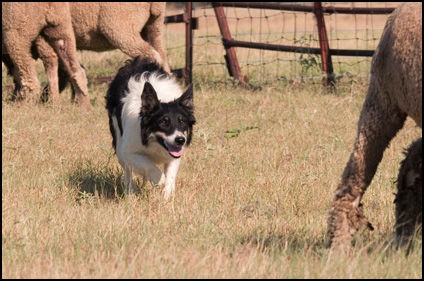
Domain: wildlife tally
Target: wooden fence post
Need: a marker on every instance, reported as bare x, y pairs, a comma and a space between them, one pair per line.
327, 65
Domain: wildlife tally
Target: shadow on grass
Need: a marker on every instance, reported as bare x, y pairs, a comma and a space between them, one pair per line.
91, 179
276, 243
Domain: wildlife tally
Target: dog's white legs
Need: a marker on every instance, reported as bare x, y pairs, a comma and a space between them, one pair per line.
129, 182
171, 170
143, 166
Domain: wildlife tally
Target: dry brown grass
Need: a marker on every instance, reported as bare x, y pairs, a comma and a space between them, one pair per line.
249, 204
253, 205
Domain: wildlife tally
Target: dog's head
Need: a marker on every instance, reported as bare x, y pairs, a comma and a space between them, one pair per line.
170, 123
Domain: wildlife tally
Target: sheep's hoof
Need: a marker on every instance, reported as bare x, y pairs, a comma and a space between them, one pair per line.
24, 94
344, 221
47, 95
83, 101
86, 105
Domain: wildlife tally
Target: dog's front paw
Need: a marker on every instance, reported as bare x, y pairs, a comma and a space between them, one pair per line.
168, 190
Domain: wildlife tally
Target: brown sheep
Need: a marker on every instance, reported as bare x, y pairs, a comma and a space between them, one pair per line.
22, 24
409, 200
394, 92
135, 28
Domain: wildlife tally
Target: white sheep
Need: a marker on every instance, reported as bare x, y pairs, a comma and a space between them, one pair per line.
23, 23
136, 28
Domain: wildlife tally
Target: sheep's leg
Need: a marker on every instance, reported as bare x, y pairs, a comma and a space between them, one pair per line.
24, 71
153, 33
378, 123
77, 74
11, 70
64, 79
63, 42
51, 62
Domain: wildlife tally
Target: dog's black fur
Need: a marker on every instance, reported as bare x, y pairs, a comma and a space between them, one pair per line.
166, 117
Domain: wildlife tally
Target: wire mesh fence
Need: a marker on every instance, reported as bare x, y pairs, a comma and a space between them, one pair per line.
294, 28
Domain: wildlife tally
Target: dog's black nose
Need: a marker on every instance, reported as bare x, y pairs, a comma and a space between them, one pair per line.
180, 140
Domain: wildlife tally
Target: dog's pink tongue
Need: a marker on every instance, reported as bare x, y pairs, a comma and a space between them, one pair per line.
176, 151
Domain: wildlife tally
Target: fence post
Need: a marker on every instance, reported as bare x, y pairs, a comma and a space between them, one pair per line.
231, 57
188, 69
327, 65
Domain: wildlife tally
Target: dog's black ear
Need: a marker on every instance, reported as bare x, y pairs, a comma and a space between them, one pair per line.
149, 98
186, 100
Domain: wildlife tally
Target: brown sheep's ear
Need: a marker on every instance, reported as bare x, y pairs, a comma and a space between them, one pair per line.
186, 100
149, 98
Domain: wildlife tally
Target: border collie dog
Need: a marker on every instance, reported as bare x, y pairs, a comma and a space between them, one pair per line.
151, 122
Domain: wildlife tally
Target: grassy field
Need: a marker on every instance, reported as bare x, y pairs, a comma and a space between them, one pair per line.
252, 194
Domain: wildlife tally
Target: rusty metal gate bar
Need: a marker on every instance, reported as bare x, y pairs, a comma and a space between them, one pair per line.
231, 56
303, 8
327, 64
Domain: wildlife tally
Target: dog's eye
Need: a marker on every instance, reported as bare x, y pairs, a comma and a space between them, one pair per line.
164, 122
181, 120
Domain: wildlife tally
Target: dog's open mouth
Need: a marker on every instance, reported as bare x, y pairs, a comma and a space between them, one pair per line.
174, 150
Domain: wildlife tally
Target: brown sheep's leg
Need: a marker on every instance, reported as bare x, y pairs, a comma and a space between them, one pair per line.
51, 62
24, 71
379, 122
77, 74
64, 44
153, 33
408, 200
